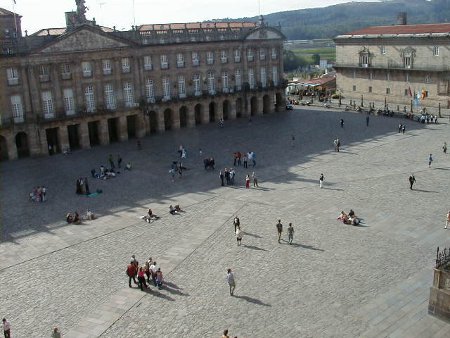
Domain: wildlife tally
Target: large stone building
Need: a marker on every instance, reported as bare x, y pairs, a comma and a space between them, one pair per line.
85, 85
402, 65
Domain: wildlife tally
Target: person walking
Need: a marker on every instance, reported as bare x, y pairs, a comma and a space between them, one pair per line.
292, 141
225, 334
131, 273
6, 328
141, 278
111, 161
430, 159
159, 278
447, 222
56, 333
400, 126
239, 235
444, 148
290, 233
247, 182
222, 176
236, 223
411, 180
119, 161
321, 178
403, 129
255, 180
245, 160
279, 230
342, 123
231, 281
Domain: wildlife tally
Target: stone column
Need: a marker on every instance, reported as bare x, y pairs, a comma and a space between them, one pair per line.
219, 110
83, 134
103, 132
232, 112
259, 103
160, 121
176, 116
63, 137
122, 128
11, 146
142, 125
191, 116
37, 142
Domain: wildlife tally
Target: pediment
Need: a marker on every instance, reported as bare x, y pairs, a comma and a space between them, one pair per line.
83, 40
265, 33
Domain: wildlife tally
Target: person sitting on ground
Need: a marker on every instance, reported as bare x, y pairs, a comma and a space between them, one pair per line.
150, 216
178, 208
128, 166
343, 217
90, 215
172, 210
351, 213
73, 217
353, 220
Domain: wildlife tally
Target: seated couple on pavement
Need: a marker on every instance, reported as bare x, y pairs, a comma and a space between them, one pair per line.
150, 217
350, 218
174, 210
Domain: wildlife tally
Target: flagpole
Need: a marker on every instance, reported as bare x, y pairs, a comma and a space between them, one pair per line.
15, 21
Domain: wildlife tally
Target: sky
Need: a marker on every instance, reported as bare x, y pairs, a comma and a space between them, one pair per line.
38, 14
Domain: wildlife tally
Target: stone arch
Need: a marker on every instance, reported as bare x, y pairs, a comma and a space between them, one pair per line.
168, 119
153, 119
253, 106
239, 106
23, 149
3, 149
212, 111
198, 113
226, 109
183, 117
266, 104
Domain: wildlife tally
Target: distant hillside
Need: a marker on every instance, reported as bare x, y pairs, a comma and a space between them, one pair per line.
328, 22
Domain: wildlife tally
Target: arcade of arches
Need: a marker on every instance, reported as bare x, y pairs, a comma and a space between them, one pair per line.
100, 129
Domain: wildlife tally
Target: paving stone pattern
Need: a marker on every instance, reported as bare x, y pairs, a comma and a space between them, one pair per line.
334, 281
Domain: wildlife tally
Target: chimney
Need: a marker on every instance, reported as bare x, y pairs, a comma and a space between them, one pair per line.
401, 18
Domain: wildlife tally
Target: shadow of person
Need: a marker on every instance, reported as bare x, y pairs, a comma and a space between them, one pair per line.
310, 247
253, 247
252, 300
251, 235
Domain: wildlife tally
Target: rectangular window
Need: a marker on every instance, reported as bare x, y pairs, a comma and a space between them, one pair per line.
13, 76
87, 69
364, 60
407, 77
223, 56
166, 89
180, 60
262, 54
274, 53
370, 89
195, 59
225, 88
47, 105
107, 68
354, 74
250, 56
17, 108
237, 55
251, 78
181, 87
148, 65
238, 79
150, 91
210, 58
388, 76
388, 90
407, 61
126, 65
89, 98
197, 85
354, 88
436, 51
128, 94
69, 102
110, 97
406, 92
263, 77
164, 61
275, 75
66, 72
428, 79
44, 73
383, 50
370, 75
211, 83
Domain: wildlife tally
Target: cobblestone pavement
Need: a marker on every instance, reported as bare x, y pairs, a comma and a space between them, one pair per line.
334, 281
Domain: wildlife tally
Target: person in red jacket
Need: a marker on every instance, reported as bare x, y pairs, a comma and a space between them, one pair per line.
131, 273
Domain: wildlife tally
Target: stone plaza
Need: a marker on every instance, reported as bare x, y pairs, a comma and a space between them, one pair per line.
335, 280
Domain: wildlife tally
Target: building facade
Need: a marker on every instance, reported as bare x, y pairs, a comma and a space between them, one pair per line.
86, 85
402, 65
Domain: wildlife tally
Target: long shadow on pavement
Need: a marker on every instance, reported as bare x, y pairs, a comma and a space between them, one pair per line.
252, 300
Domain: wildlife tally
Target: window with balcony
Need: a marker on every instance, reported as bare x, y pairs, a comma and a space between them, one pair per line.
388, 90
126, 65
86, 67
262, 54
107, 67
66, 71
48, 110
150, 91
250, 55
383, 50
17, 108
370, 89
180, 60
148, 65
166, 88
436, 51
223, 56
263, 77
110, 97
164, 61
237, 55
251, 78
274, 53
69, 102
211, 83
12, 75
238, 79
225, 85
128, 95
275, 75
44, 73
181, 87
428, 78
364, 60
89, 98
195, 59
408, 55
210, 58
197, 85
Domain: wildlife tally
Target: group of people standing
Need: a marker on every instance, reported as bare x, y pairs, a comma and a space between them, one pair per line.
243, 159
150, 270
39, 194
290, 231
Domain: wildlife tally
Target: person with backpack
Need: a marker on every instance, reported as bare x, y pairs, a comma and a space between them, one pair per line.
131, 273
